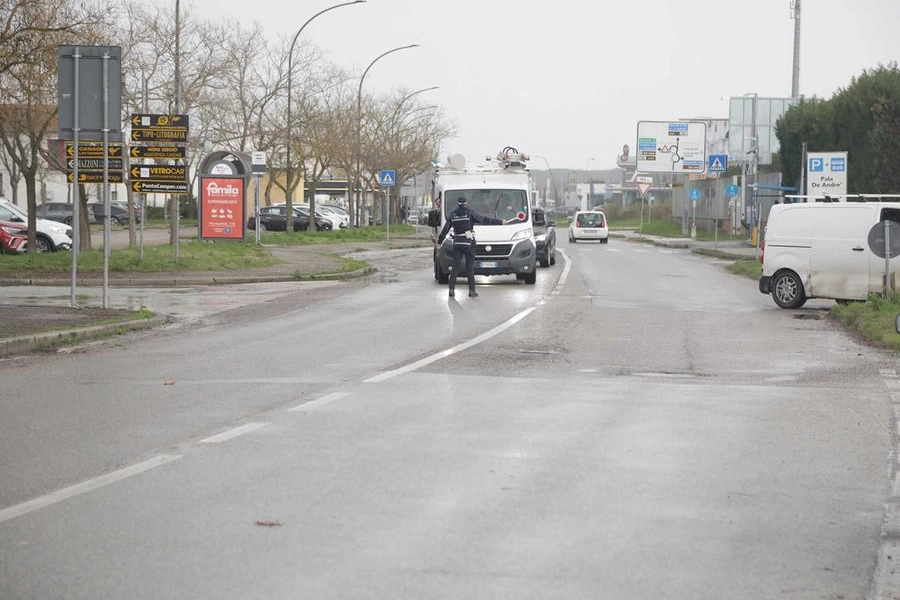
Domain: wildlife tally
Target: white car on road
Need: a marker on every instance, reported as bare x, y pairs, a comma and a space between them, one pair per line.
589, 225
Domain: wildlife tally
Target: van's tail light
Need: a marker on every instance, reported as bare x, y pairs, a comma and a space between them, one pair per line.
602, 223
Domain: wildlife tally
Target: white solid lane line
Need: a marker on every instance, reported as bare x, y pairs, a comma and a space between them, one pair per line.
458, 348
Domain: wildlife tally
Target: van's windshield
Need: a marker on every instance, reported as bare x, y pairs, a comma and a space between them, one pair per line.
497, 203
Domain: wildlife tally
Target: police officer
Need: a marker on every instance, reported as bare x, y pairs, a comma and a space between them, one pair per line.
463, 220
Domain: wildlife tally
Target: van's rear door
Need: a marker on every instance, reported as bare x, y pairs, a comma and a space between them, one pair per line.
839, 261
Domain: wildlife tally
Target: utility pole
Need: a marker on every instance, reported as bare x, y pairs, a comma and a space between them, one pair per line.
795, 80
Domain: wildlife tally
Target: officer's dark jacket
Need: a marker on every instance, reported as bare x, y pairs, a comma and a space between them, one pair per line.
463, 220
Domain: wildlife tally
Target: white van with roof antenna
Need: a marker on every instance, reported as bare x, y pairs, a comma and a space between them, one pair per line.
502, 189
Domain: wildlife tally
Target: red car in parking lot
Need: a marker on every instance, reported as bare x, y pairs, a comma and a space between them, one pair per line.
13, 239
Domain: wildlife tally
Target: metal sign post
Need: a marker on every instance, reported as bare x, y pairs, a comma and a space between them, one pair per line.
694, 195
643, 183
884, 241
89, 91
388, 179
257, 167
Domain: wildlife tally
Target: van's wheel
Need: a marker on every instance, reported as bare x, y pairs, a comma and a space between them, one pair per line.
530, 278
787, 290
439, 275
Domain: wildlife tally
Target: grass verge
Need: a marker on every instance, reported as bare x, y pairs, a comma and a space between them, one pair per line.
872, 319
192, 256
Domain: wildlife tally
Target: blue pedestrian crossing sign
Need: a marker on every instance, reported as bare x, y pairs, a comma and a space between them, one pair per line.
718, 163
387, 178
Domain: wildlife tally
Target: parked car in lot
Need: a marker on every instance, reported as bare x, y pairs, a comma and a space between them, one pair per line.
51, 236
340, 219
12, 238
544, 237
118, 212
62, 212
589, 225
273, 218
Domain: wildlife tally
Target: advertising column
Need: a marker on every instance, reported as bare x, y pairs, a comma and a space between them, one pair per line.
222, 207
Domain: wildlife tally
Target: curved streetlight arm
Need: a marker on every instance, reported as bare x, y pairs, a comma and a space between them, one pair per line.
288, 193
550, 170
408, 96
359, 118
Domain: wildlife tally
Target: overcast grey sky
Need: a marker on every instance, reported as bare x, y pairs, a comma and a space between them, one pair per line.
569, 79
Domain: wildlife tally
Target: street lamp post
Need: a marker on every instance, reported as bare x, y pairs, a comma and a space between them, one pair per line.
359, 121
590, 194
549, 179
289, 193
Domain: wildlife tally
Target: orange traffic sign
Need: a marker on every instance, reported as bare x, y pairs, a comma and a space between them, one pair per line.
163, 152
93, 150
154, 121
158, 172
95, 177
158, 187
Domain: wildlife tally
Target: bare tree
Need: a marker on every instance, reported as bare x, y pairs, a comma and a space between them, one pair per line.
26, 25
406, 137
28, 83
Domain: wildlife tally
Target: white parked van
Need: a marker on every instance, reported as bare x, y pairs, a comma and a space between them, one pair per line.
821, 250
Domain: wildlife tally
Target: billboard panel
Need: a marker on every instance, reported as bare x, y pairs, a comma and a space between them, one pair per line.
222, 202
98, 67
741, 123
671, 147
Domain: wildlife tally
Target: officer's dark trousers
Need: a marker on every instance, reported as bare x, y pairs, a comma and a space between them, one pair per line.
467, 251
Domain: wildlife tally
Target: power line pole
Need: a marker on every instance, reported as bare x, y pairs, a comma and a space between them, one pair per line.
795, 80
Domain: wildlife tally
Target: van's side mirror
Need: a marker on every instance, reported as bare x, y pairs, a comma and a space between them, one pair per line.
434, 218
897, 323
551, 223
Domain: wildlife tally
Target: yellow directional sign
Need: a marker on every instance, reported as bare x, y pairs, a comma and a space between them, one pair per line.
153, 121
167, 152
95, 177
159, 135
93, 150
158, 172
94, 164
156, 187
